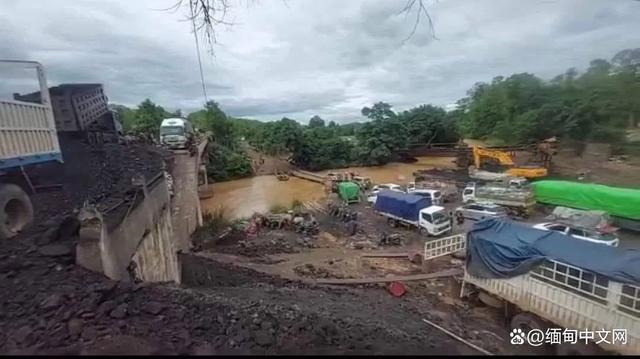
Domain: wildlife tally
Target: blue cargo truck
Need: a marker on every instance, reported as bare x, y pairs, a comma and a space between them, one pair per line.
27, 137
412, 210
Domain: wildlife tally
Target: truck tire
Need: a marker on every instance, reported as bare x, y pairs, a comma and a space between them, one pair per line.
490, 300
16, 210
527, 322
392, 222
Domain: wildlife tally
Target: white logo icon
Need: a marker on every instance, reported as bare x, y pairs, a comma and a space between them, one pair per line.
517, 336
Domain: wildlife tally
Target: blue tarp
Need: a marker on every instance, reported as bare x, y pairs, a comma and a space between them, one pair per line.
399, 204
499, 248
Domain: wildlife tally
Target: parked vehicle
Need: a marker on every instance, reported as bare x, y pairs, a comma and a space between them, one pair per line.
584, 234
622, 204
363, 182
27, 137
371, 198
542, 282
176, 133
349, 192
416, 211
434, 195
448, 188
480, 211
519, 201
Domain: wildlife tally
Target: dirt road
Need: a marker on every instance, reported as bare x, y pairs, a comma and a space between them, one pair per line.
185, 204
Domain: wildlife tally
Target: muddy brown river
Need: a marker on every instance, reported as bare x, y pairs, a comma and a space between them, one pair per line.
241, 198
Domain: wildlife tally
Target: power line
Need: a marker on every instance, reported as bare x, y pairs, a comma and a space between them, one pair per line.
195, 35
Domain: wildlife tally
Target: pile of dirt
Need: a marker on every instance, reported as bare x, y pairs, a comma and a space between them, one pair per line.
268, 242
52, 306
93, 174
311, 271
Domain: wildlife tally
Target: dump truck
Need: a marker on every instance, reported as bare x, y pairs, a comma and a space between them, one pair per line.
518, 200
622, 204
414, 211
569, 294
27, 137
349, 192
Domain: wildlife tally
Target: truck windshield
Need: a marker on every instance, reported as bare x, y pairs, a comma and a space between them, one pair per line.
439, 217
171, 130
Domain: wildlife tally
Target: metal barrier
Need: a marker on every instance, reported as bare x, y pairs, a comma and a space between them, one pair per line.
444, 246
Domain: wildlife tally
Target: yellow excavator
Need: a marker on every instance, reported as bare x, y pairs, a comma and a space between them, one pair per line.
504, 159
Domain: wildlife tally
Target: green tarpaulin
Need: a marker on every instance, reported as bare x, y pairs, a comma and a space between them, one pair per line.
349, 191
621, 202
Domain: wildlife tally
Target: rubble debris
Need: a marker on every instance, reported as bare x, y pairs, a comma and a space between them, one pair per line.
74, 327
311, 271
392, 239
52, 302
457, 337
56, 250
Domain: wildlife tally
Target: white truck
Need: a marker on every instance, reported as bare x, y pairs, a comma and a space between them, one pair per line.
27, 137
415, 211
555, 296
177, 133
518, 200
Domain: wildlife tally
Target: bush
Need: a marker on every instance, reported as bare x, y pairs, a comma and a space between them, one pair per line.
212, 223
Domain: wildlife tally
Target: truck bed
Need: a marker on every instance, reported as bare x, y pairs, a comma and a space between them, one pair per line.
27, 134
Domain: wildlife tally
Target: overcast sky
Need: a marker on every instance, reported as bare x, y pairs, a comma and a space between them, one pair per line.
298, 58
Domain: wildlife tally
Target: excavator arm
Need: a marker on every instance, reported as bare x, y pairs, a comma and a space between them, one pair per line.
502, 157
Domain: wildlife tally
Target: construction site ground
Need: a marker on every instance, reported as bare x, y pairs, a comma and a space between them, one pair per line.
243, 296
50, 305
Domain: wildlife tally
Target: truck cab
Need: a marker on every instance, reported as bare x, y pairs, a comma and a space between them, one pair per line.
434, 221
469, 193
176, 133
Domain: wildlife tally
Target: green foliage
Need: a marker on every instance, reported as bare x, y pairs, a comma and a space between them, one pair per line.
212, 223
596, 105
226, 164
144, 120
148, 117
317, 147
316, 121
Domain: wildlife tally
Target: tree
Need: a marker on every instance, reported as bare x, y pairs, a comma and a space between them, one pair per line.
428, 124
316, 121
126, 116
595, 105
148, 118
216, 121
379, 111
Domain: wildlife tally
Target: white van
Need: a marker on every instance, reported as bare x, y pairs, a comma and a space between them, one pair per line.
373, 195
176, 133
433, 194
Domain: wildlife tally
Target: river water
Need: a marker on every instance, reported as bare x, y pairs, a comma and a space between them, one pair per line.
243, 197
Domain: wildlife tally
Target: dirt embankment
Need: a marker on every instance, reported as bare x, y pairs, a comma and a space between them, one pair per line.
263, 164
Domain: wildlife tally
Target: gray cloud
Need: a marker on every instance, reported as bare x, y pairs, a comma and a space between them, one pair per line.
309, 57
